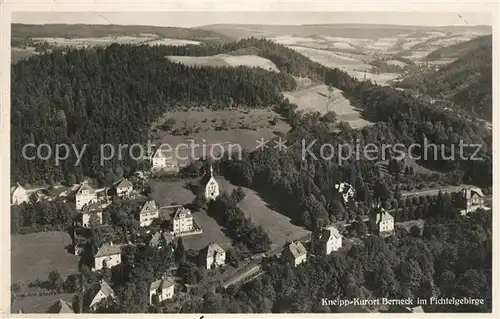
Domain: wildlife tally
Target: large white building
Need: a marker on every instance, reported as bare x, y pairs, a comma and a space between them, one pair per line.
85, 195
109, 255
214, 256
124, 188
103, 291
382, 222
148, 213
472, 199
161, 290
295, 253
164, 160
330, 239
18, 195
182, 220
210, 185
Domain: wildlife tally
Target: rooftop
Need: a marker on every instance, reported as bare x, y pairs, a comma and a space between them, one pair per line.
108, 249
297, 249
161, 284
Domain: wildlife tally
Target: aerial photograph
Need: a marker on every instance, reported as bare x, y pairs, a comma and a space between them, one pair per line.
237, 162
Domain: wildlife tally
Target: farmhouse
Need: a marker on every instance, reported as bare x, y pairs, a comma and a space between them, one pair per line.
18, 195
330, 240
210, 185
295, 253
182, 221
148, 213
60, 306
382, 222
164, 160
85, 195
124, 188
161, 290
472, 199
346, 190
101, 292
107, 256
89, 212
213, 256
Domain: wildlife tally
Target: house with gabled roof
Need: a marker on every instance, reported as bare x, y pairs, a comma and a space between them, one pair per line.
85, 195
108, 255
18, 195
382, 223
330, 240
164, 160
161, 290
209, 185
61, 306
472, 199
182, 220
123, 188
102, 291
148, 213
213, 256
295, 253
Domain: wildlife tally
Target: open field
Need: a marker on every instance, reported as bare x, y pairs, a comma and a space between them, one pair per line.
230, 129
315, 99
175, 42
34, 256
39, 304
278, 226
221, 60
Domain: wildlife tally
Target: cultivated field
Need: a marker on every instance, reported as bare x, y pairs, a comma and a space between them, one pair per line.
34, 256
221, 60
39, 304
227, 128
315, 99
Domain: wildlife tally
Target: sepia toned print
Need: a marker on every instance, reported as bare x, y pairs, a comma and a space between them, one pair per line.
226, 163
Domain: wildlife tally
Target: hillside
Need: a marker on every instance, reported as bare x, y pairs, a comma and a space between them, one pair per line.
22, 31
457, 50
467, 82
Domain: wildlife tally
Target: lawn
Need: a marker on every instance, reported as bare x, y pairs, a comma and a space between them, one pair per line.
38, 304
34, 256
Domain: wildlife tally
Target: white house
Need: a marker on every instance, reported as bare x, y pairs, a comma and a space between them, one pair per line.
89, 212
182, 220
382, 222
295, 252
346, 190
85, 195
330, 239
164, 160
148, 213
103, 292
163, 289
472, 199
214, 256
124, 188
210, 185
18, 195
109, 255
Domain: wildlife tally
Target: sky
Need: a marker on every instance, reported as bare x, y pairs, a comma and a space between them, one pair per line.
193, 19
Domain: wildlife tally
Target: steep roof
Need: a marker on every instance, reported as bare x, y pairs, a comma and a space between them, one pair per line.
108, 249
207, 177
106, 289
83, 187
382, 215
124, 183
148, 207
329, 231
180, 211
297, 249
213, 248
468, 192
165, 153
16, 187
60, 306
161, 284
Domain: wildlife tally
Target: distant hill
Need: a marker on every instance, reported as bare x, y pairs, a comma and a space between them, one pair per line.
366, 31
457, 50
21, 31
467, 82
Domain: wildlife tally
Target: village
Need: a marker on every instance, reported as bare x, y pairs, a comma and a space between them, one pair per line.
162, 226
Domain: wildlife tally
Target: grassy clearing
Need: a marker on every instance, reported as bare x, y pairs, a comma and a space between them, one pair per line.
39, 304
221, 60
315, 99
34, 256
